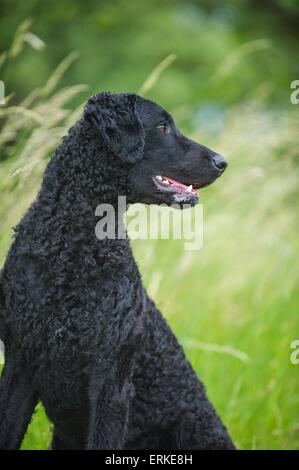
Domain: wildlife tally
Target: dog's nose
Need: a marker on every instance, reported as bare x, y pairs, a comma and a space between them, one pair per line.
219, 162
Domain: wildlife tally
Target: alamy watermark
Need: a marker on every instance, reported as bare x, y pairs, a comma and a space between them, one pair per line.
2, 92
295, 94
2, 355
294, 358
151, 222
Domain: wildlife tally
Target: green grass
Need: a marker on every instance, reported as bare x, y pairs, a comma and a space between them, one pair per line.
234, 303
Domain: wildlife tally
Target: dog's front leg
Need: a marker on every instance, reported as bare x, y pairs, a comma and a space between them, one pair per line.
17, 402
111, 391
109, 414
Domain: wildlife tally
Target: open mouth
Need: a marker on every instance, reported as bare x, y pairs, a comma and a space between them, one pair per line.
180, 190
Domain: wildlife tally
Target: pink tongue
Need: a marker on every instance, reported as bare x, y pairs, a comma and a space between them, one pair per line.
177, 183
180, 185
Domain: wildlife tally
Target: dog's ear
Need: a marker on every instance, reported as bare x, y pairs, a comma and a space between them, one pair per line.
116, 118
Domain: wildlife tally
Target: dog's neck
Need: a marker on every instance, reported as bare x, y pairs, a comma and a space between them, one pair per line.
81, 181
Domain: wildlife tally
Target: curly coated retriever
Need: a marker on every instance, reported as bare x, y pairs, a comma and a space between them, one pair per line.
80, 332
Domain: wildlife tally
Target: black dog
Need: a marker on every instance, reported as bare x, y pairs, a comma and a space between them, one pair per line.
80, 332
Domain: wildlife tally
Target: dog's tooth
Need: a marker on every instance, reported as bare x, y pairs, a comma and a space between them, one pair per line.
159, 178
190, 188
166, 182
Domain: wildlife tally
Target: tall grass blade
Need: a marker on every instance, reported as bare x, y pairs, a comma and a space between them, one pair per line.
155, 74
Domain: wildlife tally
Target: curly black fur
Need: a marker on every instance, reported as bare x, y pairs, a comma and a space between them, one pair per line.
80, 332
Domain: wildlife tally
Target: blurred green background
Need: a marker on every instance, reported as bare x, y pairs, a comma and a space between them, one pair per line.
224, 70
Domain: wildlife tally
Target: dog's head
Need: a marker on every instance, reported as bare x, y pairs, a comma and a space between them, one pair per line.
163, 165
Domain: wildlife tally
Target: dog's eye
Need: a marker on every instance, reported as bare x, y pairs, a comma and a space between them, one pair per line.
163, 128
